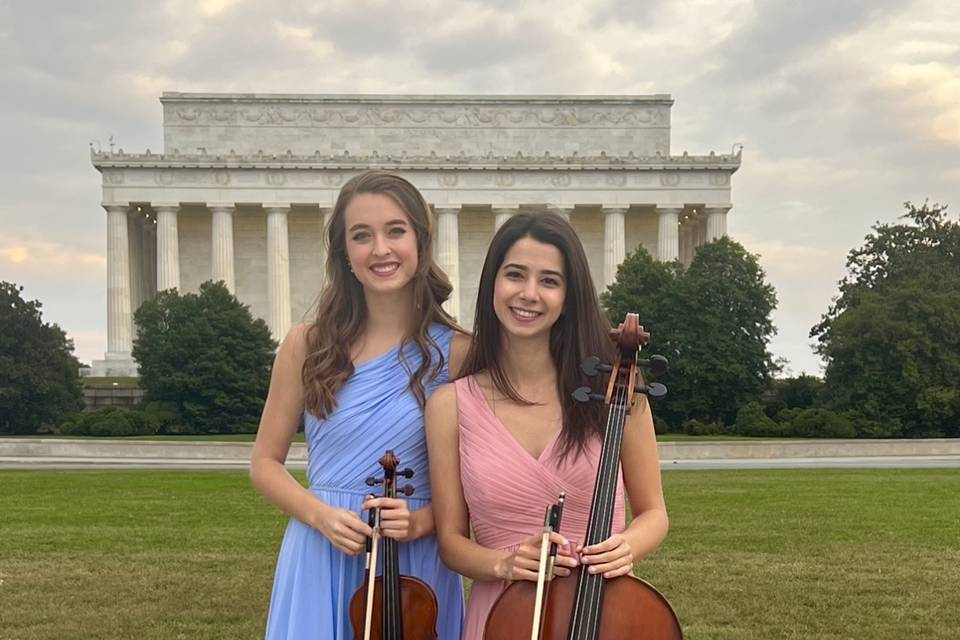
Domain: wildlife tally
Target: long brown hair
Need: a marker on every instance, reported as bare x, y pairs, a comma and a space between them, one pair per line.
582, 329
342, 308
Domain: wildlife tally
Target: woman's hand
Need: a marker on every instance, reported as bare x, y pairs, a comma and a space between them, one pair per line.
612, 557
524, 562
344, 529
395, 520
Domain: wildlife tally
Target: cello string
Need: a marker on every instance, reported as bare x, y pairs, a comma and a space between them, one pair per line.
589, 588
606, 495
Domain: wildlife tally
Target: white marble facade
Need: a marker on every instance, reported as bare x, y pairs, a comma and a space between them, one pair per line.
242, 187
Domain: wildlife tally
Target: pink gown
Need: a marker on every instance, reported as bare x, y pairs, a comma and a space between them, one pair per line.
507, 490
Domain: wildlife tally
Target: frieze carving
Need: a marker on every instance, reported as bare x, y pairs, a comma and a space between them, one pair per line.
451, 116
276, 178
719, 179
560, 180
446, 179
163, 178
113, 177
504, 179
616, 179
332, 179
221, 177
671, 179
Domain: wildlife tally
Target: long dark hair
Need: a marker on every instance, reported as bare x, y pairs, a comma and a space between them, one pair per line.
342, 308
581, 330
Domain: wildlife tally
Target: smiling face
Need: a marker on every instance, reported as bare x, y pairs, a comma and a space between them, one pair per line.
381, 243
530, 288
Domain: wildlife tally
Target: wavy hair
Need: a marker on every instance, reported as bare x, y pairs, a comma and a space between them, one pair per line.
582, 329
342, 308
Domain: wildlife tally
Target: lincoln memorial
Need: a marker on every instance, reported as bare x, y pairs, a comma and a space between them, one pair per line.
245, 182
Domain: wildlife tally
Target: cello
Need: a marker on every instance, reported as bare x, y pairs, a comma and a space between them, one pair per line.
585, 606
391, 606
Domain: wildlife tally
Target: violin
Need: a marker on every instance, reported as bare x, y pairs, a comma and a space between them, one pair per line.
585, 606
391, 606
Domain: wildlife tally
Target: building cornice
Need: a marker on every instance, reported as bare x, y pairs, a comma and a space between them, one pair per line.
175, 97
433, 162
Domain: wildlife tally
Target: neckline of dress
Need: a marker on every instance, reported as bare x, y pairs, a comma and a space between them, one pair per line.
486, 407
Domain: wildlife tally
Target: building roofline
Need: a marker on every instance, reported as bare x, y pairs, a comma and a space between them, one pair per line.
374, 98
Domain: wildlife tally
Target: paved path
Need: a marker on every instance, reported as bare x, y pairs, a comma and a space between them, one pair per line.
23, 453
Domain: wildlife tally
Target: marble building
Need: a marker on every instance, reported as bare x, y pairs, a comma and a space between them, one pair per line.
245, 181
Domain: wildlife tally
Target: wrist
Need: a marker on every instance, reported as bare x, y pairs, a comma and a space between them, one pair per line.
500, 566
318, 514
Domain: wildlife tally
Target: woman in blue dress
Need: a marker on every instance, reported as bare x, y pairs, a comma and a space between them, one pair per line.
358, 376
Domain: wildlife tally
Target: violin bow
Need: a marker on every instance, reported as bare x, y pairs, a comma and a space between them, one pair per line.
548, 555
373, 550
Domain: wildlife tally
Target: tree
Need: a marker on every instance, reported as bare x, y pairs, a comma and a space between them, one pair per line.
39, 382
711, 320
891, 339
206, 356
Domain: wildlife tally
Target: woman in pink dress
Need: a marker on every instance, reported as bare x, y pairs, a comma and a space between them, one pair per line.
508, 437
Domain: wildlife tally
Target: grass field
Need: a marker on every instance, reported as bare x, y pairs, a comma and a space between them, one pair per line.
751, 554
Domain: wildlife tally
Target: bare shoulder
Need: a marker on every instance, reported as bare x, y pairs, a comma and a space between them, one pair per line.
459, 345
443, 397
294, 344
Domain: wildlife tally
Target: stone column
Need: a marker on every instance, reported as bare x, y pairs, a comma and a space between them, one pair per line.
222, 245
716, 222
501, 215
686, 244
668, 238
613, 242
448, 253
168, 247
137, 255
149, 243
278, 270
119, 316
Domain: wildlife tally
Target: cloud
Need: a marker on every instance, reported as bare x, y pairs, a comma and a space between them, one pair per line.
846, 109
26, 259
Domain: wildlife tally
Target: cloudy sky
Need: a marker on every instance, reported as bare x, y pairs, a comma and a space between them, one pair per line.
846, 108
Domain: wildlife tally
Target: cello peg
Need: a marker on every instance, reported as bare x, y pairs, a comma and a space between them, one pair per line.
657, 364
591, 365
586, 394
654, 390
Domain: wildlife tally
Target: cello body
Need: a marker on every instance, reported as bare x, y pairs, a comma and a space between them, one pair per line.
632, 609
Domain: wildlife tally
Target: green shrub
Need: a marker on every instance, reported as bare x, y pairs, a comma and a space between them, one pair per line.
110, 422
753, 421
816, 423
694, 427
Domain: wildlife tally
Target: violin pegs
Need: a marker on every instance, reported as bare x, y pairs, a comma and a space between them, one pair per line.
371, 481
407, 490
591, 365
407, 473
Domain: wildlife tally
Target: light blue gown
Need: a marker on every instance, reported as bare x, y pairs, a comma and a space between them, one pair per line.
376, 411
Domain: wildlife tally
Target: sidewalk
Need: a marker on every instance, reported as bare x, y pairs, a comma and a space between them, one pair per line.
16, 453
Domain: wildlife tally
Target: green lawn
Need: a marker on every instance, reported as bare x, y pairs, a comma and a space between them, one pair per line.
871, 554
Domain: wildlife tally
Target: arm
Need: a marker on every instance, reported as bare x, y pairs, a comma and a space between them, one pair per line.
278, 424
641, 478
457, 550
